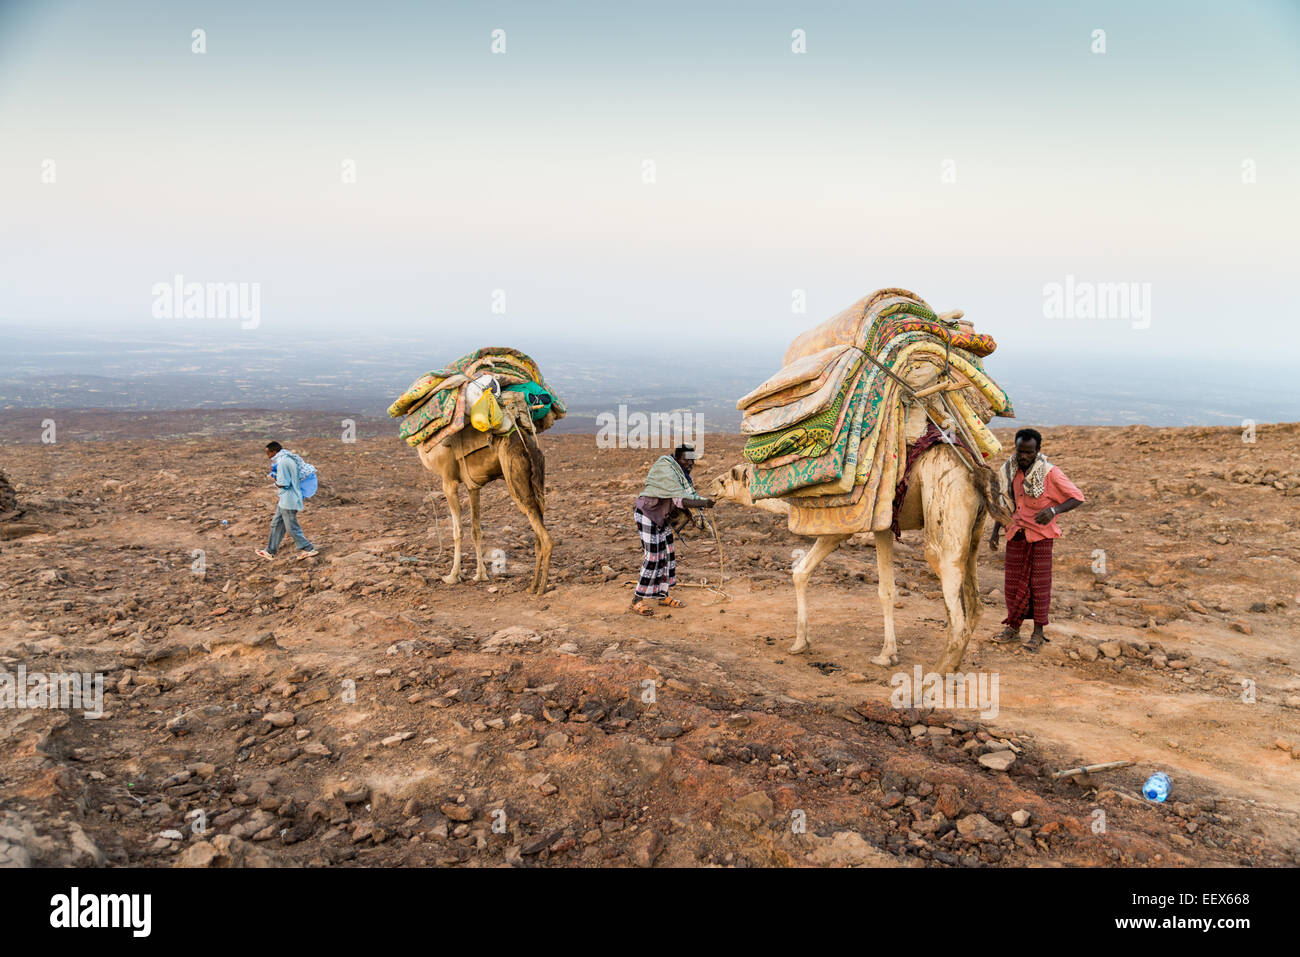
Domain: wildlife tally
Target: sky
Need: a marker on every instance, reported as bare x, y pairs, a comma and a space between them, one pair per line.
667, 175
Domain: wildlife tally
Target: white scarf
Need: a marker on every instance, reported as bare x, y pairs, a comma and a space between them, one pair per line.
1035, 476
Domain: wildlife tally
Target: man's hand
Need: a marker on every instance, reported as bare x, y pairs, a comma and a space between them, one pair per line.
993, 539
1045, 515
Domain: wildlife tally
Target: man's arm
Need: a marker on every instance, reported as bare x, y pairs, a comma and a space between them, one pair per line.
1047, 514
1064, 491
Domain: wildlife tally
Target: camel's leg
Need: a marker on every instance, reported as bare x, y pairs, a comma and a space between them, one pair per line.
947, 545
476, 532
950, 567
824, 545
888, 595
953, 520
517, 469
451, 489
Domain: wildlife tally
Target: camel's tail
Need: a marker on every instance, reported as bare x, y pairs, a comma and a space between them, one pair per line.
990, 492
537, 468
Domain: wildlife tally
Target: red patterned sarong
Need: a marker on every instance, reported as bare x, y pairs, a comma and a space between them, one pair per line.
1027, 581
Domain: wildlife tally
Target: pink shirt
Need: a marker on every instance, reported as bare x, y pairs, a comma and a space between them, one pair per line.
1056, 490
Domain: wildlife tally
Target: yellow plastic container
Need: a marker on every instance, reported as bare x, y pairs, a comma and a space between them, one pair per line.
485, 414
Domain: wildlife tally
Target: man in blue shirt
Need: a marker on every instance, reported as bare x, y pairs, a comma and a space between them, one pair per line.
284, 466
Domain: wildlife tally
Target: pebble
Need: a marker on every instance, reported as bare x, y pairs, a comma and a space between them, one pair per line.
979, 829
998, 760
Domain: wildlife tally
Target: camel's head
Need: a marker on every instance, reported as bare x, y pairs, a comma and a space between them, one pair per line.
731, 486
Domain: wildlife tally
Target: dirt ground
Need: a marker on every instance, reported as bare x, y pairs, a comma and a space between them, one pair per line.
354, 709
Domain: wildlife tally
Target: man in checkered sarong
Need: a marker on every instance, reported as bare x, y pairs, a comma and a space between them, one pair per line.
1041, 492
668, 490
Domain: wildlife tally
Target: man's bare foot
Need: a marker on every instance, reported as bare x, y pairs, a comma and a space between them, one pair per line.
1036, 640
1007, 636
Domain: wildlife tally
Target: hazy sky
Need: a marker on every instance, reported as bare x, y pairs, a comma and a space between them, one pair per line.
829, 171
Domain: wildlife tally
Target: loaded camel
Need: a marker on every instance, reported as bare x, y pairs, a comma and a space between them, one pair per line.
515, 457
946, 500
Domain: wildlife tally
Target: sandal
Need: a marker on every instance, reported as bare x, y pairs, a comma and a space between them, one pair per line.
671, 602
639, 608
1005, 637
1035, 641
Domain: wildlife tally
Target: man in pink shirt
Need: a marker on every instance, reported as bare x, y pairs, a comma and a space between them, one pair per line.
1041, 492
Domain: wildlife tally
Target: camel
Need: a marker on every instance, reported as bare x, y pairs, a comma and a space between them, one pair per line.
943, 499
514, 457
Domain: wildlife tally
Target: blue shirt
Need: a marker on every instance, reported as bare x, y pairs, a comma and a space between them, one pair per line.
286, 480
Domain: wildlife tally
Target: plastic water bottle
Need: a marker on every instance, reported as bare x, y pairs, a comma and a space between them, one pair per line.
224, 523
1157, 787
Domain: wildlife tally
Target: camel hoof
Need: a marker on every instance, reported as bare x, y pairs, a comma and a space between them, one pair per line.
482, 578
885, 660
451, 579
798, 647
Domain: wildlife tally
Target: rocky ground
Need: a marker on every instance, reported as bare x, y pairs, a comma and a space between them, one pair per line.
354, 709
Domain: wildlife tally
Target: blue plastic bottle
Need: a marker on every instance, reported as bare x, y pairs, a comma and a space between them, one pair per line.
1157, 787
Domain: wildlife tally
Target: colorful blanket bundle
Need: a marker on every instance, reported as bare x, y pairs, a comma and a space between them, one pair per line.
828, 432
433, 408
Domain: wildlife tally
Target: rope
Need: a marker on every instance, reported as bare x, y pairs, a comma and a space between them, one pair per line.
722, 568
911, 393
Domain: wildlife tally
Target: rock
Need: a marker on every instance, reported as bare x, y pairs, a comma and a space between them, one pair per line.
1197, 607
1021, 817
1111, 649
279, 719
645, 847
200, 854
1241, 627
848, 849
978, 829
457, 812
86, 853
224, 850
757, 802
949, 802
998, 760
513, 637
1088, 652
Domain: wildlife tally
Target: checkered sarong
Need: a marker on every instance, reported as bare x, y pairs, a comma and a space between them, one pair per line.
659, 568
1027, 581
